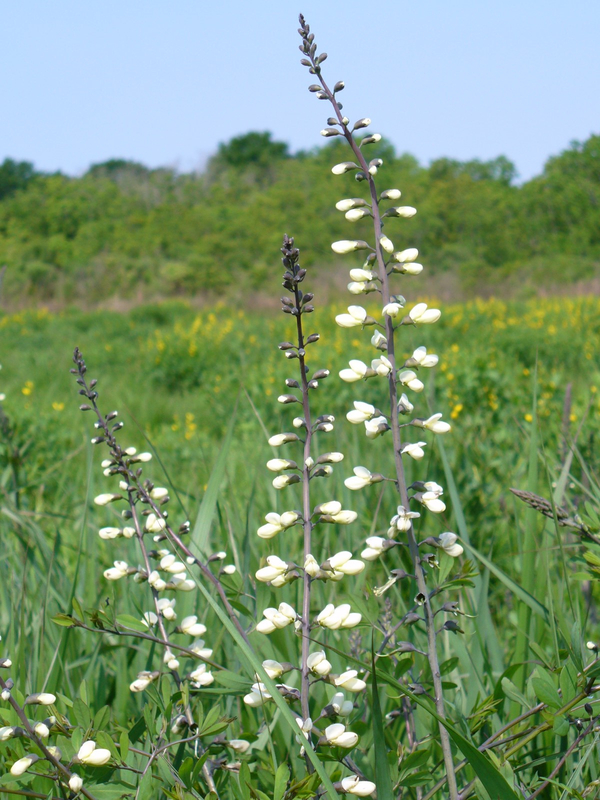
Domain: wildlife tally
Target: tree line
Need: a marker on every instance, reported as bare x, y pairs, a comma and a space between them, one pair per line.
125, 230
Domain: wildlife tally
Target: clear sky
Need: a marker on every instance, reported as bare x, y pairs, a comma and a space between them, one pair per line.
164, 81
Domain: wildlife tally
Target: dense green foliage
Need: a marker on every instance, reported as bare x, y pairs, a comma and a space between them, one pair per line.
124, 230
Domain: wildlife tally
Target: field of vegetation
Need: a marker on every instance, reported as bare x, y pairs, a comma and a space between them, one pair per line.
518, 381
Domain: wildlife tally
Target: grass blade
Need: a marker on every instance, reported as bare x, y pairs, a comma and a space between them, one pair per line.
383, 778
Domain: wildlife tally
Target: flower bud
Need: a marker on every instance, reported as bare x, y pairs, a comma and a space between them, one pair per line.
345, 166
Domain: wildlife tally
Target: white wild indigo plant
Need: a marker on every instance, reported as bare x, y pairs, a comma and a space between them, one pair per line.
334, 668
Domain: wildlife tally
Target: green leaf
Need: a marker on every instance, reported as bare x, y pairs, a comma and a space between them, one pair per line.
544, 688
383, 778
513, 693
64, 620
568, 682
282, 777
81, 713
124, 745
135, 624
560, 725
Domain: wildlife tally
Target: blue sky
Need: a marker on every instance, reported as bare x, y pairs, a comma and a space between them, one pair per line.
164, 82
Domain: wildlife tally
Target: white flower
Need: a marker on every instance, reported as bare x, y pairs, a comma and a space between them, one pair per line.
180, 583
362, 477
191, 626
343, 563
362, 275
143, 680
276, 618
282, 438
408, 268
128, 533
200, 650
376, 545
155, 524
170, 564
448, 543
311, 566
382, 366
362, 411
349, 681
422, 315
410, 254
338, 736
402, 211
331, 458
423, 359
75, 783
348, 246
403, 519
105, 499
392, 309
354, 214
42, 730
6, 733
431, 500
404, 405
239, 745
341, 706
273, 668
432, 423
23, 764
318, 664
166, 608
414, 449
357, 371
345, 166
344, 517
334, 617
117, 572
330, 507
109, 533
277, 523
150, 619
159, 493
391, 194
358, 287
274, 569
258, 696
352, 202
386, 244
279, 464
201, 677
41, 699
375, 427
379, 341
354, 785
229, 569
356, 316
92, 755
409, 378
281, 481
